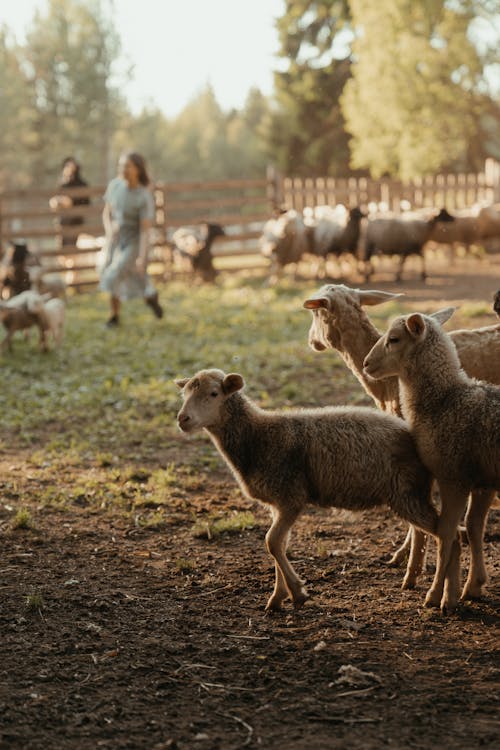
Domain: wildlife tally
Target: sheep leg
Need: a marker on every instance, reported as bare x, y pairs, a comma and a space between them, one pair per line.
475, 522
418, 546
454, 501
7, 342
287, 580
423, 271
399, 272
43, 339
402, 552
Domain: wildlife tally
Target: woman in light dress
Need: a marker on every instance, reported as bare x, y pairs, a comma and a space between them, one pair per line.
128, 217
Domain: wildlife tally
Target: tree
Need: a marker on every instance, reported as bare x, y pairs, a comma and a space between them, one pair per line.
307, 133
68, 59
14, 113
414, 102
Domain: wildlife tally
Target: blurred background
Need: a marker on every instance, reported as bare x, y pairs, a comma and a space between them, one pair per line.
220, 89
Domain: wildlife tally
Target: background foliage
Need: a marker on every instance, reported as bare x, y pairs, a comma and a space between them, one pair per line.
382, 86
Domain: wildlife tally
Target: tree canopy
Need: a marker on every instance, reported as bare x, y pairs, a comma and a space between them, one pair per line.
383, 86
416, 98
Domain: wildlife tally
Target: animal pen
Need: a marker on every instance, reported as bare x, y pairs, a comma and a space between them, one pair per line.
241, 206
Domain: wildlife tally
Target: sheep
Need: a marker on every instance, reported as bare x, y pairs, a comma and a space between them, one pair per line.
399, 237
455, 421
340, 322
196, 244
20, 313
344, 457
333, 238
284, 240
455, 230
50, 283
55, 310
489, 222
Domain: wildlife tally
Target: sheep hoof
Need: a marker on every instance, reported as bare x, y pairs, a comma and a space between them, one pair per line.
433, 599
448, 606
472, 591
274, 604
398, 558
300, 599
409, 582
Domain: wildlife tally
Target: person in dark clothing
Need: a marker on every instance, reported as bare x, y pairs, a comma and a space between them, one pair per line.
70, 178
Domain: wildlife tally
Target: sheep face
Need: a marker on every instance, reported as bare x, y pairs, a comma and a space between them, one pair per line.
336, 307
204, 397
396, 348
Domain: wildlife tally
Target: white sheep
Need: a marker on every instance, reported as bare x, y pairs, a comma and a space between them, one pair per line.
344, 457
285, 240
339, 321
55, 311
456, 425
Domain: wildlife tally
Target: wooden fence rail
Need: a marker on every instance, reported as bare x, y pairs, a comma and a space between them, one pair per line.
241, 206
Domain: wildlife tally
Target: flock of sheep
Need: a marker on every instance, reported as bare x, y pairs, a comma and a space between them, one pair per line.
326, 232
437, 445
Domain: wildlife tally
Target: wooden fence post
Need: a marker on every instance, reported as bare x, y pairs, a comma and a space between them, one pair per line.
274, 191
492, 175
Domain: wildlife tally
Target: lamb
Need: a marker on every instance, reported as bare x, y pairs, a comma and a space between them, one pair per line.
50, 283
456, 424
285, 239
344, 457
20, 313
399, 237
197, 246
340, 322
55, 310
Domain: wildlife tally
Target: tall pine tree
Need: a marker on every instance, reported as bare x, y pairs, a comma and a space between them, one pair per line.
307, 133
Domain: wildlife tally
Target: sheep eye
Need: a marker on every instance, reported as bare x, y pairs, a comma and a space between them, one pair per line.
393, 340
214, 394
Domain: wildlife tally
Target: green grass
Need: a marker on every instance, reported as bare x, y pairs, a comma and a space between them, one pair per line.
34, 602
22, 519
96, 420
209, 527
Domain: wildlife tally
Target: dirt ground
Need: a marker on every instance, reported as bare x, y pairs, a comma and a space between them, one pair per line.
115, 635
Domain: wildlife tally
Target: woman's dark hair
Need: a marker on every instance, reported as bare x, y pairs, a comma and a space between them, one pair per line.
139, 162
72, 159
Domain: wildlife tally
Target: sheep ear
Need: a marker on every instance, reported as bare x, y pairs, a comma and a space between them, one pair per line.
415, 325
232, 383
374, 297
181, 382
314, 303
443, 315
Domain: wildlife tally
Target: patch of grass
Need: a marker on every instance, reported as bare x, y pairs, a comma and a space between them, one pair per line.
34, 602
22, 519
184, 565
209, 527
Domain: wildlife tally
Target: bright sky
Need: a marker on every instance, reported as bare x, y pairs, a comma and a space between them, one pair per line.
177, 46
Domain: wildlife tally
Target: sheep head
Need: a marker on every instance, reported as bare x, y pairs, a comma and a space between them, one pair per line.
204, 397
392, 352
335, 308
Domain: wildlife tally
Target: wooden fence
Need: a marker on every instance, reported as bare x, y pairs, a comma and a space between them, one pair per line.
241, 206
